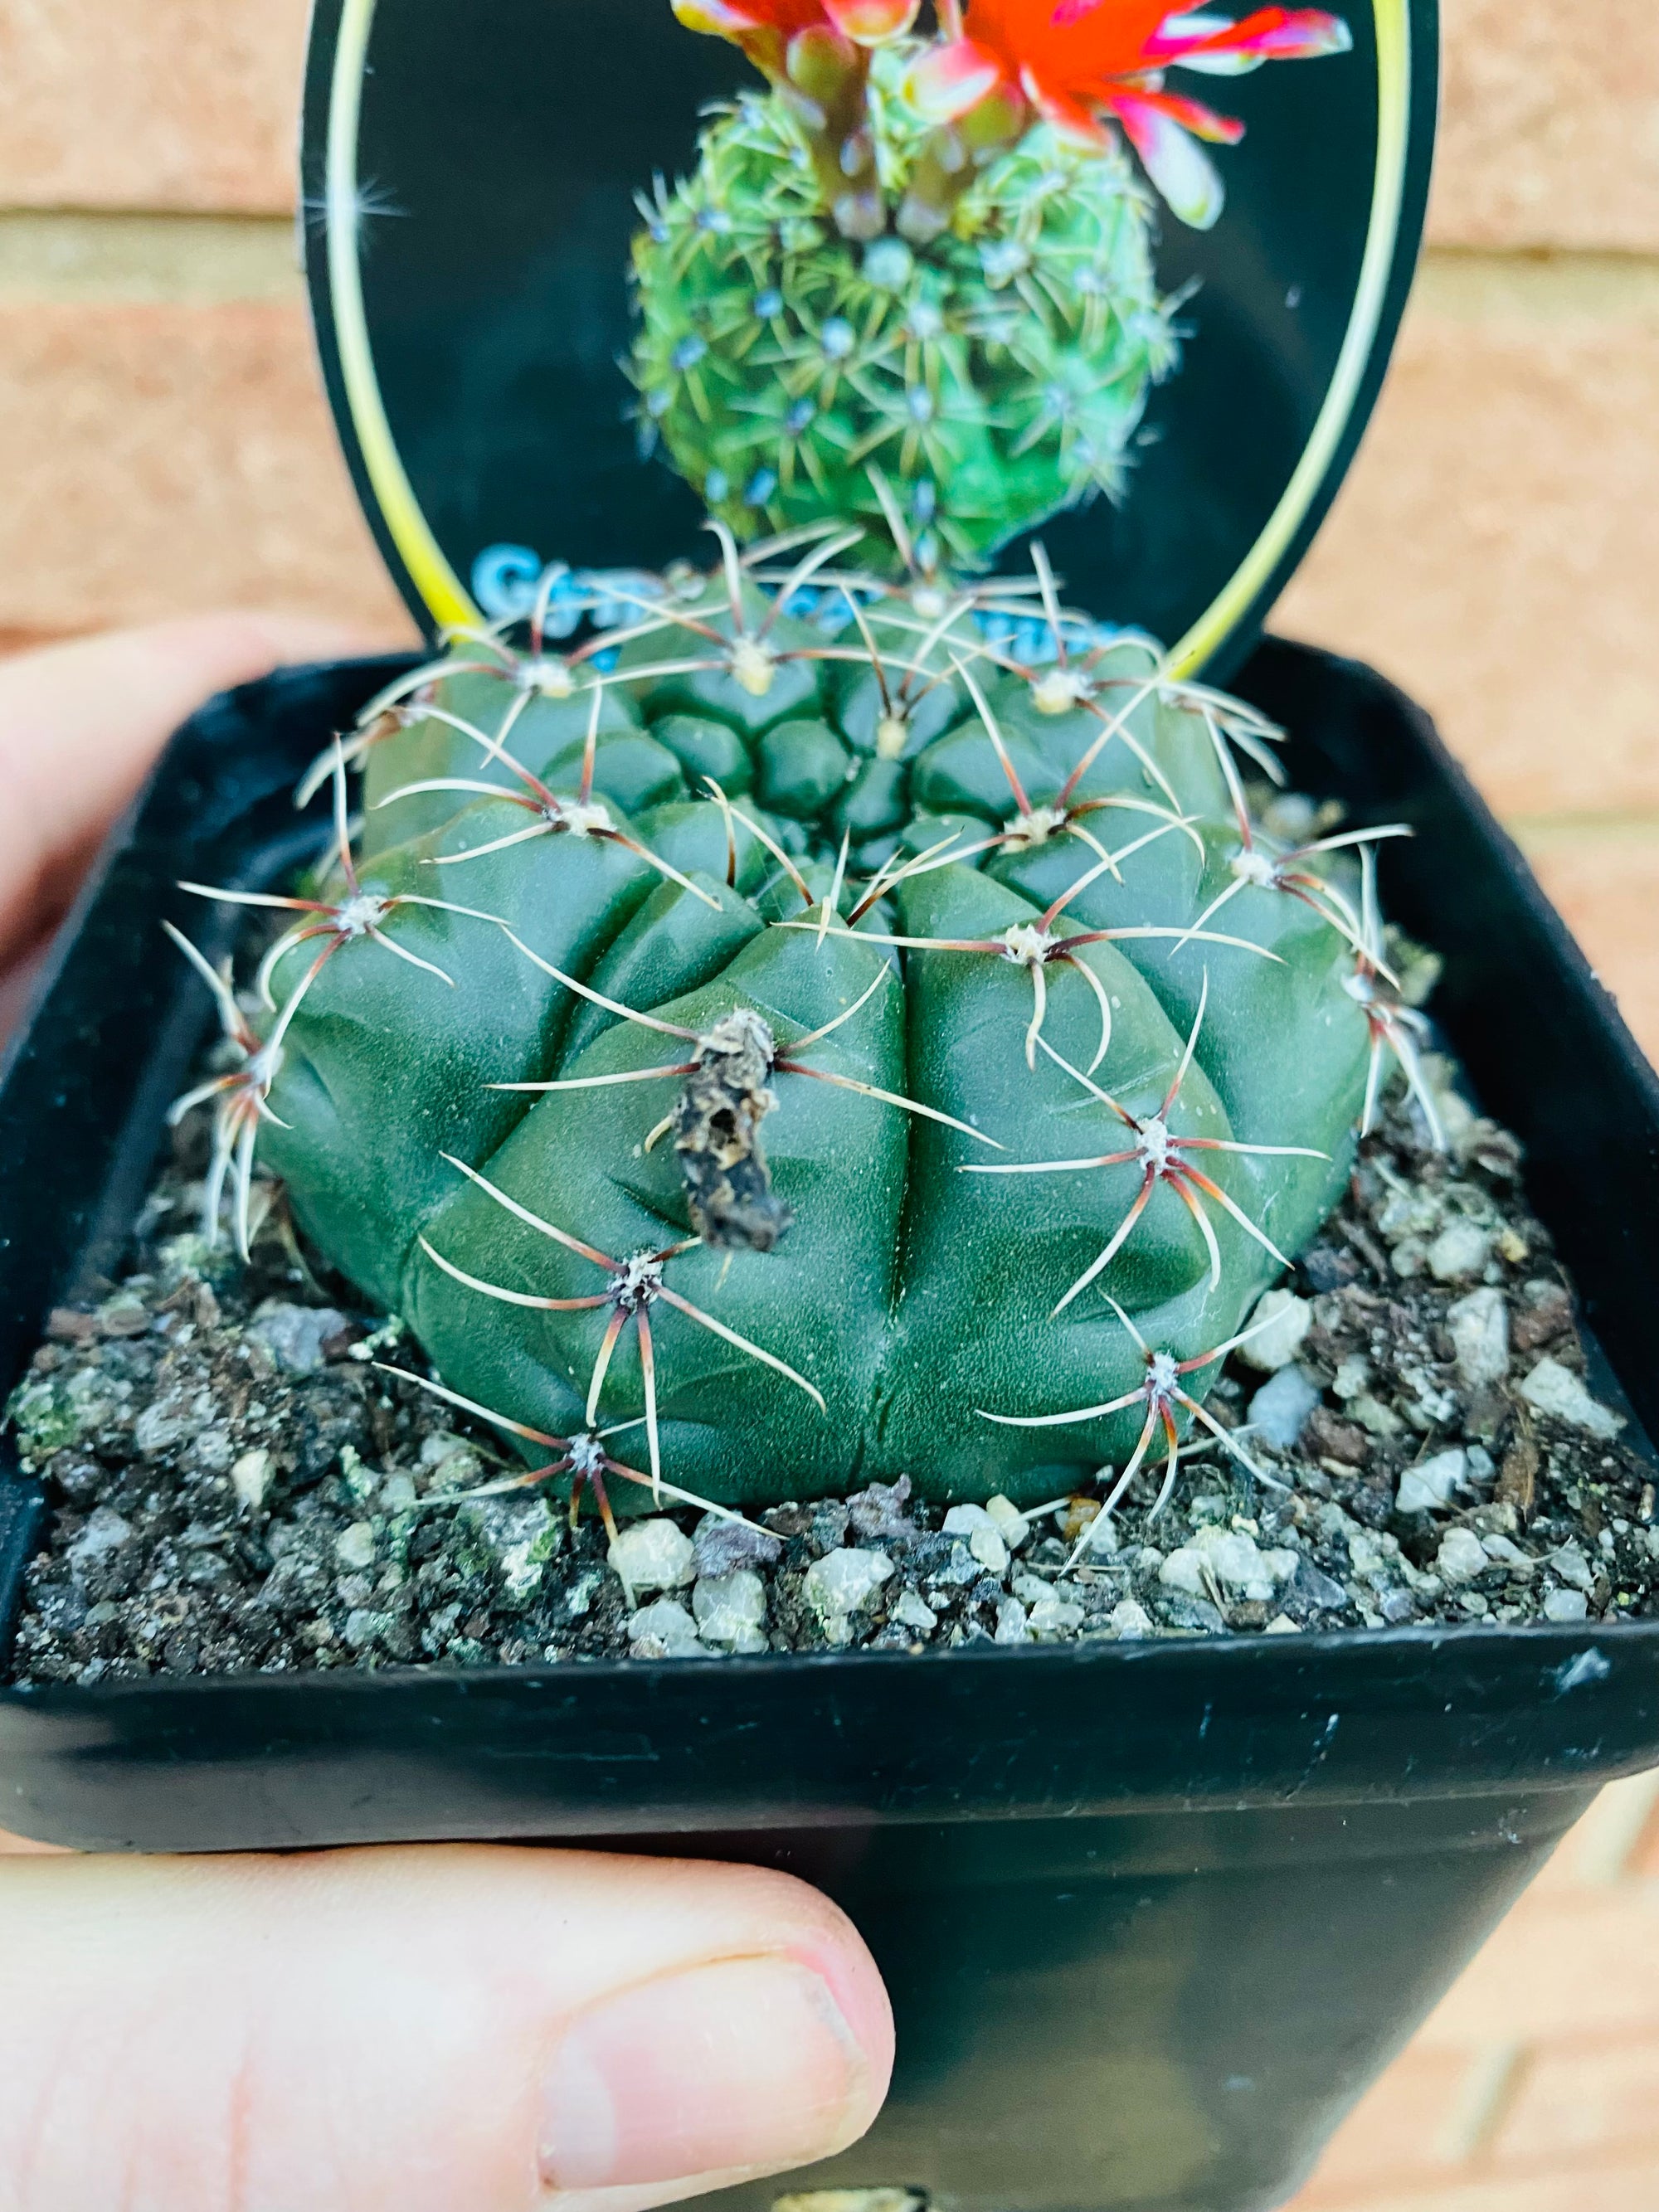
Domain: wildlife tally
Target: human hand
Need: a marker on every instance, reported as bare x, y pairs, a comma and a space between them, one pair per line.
442, 2029
81, 726
452, 2029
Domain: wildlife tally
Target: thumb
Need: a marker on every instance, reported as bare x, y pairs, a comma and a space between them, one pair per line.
436, 2030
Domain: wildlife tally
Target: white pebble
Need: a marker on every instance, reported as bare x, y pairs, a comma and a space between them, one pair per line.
1010, 1622
730, 1610
1567, 1605
353, 1548
1376, 1419
1480, 1329
653, 1555
1012, 1524
1459, 1251
1184, 1570
1557, 1391
911, 1610
1130, 1619
250, 1477
1430, 1488
842, 1584
1280, 1321
1053, 1617
985, 1540
1461, 1556
1280, 1409
1282, 1624
664, 1630
1573, 1567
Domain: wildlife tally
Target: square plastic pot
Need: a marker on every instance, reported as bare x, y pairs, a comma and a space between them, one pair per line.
1152, 1914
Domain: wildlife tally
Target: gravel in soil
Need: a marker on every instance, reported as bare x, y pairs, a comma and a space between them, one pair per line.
238, 1484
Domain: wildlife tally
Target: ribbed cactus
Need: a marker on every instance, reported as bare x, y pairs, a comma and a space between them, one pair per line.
822, 1050
841, 1024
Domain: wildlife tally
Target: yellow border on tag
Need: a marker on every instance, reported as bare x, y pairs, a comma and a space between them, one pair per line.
439, 587
441, 590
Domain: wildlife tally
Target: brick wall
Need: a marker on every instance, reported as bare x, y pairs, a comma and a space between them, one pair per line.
1497, 551
1534, 2087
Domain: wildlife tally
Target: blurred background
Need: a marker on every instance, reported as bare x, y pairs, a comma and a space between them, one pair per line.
165, 448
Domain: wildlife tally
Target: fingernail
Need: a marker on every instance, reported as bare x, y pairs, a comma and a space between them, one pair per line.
749, 2064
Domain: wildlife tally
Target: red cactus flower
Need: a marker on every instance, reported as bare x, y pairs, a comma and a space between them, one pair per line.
1080, 62
765, 28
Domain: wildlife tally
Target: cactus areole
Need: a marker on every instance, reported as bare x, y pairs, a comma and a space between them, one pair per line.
835, 1014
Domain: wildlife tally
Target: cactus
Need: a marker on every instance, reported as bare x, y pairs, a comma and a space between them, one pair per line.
997, 375
840, 1023
913, 284
819, 1033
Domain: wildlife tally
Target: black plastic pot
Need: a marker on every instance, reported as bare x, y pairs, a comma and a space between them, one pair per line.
1152, 1914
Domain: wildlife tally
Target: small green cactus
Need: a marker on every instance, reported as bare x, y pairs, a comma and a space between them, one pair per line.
819, 1033
948, 394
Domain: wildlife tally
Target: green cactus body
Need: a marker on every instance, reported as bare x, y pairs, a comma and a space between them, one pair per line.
967, 386
908, 1100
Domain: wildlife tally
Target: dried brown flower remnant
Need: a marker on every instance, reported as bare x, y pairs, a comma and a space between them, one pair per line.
717, 1136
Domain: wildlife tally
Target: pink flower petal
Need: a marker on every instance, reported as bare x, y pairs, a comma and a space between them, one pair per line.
1270, 34
949, 79
1181, 171
869, 23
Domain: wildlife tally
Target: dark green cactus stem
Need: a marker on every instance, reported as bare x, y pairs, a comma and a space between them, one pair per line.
931, 1091
947, 387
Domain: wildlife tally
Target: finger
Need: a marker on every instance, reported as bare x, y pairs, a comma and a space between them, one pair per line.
81, 724
439, 2030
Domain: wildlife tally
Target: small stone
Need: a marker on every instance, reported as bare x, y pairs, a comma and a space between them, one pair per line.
1461, 1556
831, 1519
1507, 1553
1012, 1524
1053, 1617
985, 1539
1398, 1608
1084, 1515
1546, 1313
722, 1545
653, 1555
1557, 1391
1352, 1377
1374, 1418
911, 1610
878, 1514
730, 1610
296, 1335
250, 1478
1011, 1626
1570, 1564
1479, 1329
124, 1315
664, 1630
1184, 1570
1282, 1624
1326, 1437
1567, 1605
1275, 1331
1430, 1486
1458, 1252
1130, 1619
353, 1548
1278, 1411
105, 1532
1319, 1591
842, 1584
